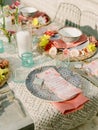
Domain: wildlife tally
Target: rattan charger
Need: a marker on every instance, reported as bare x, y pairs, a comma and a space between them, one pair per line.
60, 56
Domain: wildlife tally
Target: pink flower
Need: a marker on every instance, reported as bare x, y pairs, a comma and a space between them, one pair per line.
66, 53
15, 5
11, 32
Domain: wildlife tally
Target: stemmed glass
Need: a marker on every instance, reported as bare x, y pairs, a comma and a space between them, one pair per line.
63, 61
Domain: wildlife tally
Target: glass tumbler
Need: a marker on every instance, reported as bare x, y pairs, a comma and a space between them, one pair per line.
20, 74
27, 59
1, 46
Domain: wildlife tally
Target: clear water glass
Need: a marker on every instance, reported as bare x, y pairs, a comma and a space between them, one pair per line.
20, 74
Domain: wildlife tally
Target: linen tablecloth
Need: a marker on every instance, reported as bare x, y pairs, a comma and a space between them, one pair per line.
44, 115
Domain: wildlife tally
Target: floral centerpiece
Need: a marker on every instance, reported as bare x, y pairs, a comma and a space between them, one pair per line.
57, 48
12, 11
2, 2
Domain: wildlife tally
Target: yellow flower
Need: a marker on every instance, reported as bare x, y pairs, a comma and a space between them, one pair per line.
44, 40
35, 22
91, 47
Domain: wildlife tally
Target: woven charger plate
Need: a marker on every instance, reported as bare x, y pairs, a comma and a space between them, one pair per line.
60, 56
43, 92
80, 46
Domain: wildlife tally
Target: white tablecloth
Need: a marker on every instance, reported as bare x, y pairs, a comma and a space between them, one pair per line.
44, 115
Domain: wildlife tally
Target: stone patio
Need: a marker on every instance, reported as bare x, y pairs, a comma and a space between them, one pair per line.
91, 125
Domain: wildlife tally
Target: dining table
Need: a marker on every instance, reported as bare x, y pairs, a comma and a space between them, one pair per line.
44, 115
39, 110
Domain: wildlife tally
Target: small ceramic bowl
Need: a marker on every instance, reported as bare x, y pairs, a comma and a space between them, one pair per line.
28, 11
70, 34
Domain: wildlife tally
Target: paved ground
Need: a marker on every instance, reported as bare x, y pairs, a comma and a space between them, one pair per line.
91, 125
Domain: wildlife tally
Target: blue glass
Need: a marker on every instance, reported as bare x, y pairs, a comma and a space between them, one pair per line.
1, 46
27, 59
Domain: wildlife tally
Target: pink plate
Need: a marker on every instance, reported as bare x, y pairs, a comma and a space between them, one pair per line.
59, 43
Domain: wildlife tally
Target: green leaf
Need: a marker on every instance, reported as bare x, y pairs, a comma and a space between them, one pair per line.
2, 2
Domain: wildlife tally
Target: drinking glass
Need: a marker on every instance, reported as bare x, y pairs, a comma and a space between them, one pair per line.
27, 59
1, 46
20, 74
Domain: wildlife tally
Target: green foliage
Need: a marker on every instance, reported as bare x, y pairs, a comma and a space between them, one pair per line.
7, 34
2, 2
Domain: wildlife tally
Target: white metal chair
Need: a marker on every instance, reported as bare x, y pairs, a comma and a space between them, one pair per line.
89, 23
67, 15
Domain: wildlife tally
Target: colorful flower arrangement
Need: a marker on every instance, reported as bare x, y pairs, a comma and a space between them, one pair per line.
12, 11
53, 47
39, 21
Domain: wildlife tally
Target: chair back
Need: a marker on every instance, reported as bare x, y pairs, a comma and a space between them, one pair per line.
89, 23
68, 15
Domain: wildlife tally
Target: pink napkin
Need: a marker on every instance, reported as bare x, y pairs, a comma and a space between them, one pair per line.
71, 105
59, 44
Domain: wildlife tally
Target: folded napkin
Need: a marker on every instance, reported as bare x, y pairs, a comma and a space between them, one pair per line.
59, 44
57, 84
71, 105
92, 68
72, 96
